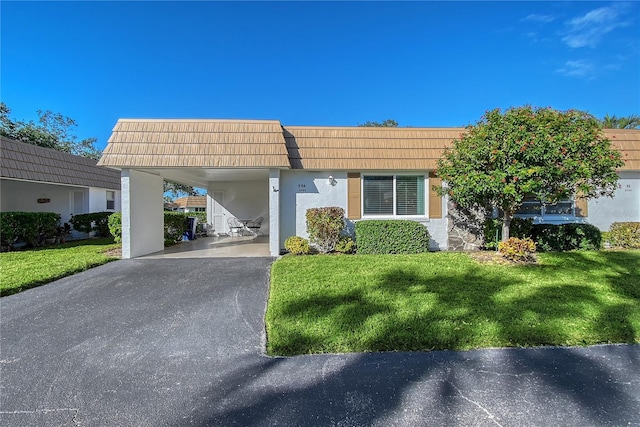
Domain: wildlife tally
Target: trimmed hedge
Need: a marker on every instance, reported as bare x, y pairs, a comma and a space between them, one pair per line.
624, 235
297, 245
397, 236
547, 237
94, 221
175, 225
115, 226
324, 226
33, 227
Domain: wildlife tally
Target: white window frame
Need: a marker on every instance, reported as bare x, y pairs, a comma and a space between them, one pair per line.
111, 200
394, 215
543, 210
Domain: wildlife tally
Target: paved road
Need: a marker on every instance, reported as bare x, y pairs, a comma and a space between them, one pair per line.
179, 342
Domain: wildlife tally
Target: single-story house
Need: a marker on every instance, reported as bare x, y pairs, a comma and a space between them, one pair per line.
254, 168
38, 179
190, 204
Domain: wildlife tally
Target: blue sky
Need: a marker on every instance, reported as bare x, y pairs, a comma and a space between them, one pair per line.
316, 63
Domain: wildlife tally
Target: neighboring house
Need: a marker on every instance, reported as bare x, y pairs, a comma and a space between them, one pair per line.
37, 179
190, 204
254, 168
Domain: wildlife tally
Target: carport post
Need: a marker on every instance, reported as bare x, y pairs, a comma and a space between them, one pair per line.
142, 213
274, 212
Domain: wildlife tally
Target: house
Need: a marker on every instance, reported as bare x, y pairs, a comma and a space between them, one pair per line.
37, 179
190, 204
254, 168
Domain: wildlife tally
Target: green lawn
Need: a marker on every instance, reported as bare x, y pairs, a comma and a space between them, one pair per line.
25, 269
445, 300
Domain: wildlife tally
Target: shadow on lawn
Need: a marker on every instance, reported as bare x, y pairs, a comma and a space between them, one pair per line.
479, 308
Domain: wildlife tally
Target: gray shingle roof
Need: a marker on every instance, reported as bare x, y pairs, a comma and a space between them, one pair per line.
19, 160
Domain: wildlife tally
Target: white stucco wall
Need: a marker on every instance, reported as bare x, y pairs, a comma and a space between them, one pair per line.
23, 196
240, 199
301, 190
98, 200
142, 213
625, 205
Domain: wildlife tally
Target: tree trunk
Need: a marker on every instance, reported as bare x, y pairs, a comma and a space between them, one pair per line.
506, 224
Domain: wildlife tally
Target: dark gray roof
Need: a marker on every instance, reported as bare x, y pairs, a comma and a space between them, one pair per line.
19, 160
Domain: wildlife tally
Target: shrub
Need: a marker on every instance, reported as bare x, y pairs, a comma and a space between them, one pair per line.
175, 225
567, 237
517, 249
624, 235
95, 221
297, 245
397, 236
115, 226
33, 227
346, 245
520, 228
324, 226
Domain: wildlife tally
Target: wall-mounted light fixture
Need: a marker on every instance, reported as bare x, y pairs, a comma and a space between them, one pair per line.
332, 181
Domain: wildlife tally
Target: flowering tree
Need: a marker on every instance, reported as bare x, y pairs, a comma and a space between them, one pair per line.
525, 151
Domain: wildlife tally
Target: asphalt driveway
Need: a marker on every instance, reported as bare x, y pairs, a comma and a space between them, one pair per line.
172, 342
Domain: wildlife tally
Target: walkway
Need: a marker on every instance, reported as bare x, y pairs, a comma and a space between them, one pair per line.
174, 342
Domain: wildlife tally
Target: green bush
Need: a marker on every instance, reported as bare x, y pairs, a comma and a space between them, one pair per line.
517, 249
324, 226
567, 237
397, 236
624, 235
94, 221
297, 245
33, 227
520, 228
175, 225
547, 237
115, 226
346, 245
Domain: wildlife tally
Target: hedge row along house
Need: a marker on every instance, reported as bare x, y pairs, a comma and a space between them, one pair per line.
38, 179
254, 168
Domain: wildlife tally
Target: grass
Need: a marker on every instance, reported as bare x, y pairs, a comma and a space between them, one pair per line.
22, 270
445, 300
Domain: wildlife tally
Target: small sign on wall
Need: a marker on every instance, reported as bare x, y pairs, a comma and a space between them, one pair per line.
302, 188
44, 200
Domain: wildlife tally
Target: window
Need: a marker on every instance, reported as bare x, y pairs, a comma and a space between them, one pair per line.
200, 209
532, 206
111, 200
391, 195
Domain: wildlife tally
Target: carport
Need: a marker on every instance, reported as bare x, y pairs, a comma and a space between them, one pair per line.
237, 161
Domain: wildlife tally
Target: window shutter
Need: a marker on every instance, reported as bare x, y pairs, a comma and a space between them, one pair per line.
435, 201
581, 206
353, 196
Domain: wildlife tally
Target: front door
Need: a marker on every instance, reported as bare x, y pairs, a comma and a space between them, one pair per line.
217, 214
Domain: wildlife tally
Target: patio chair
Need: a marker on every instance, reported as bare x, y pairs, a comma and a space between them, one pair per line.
235, 226
255, 225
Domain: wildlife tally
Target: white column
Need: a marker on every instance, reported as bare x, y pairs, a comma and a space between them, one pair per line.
142, 213
274, 212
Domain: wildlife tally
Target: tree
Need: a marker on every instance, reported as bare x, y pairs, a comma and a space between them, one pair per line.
389, 123
525, 151
179, 190
628, 122
53, 130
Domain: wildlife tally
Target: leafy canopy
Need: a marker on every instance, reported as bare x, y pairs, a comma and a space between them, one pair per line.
389, 123
527, 151
53, 130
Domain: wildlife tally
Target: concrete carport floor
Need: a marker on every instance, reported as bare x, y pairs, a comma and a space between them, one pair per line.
173, 342
217, 247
